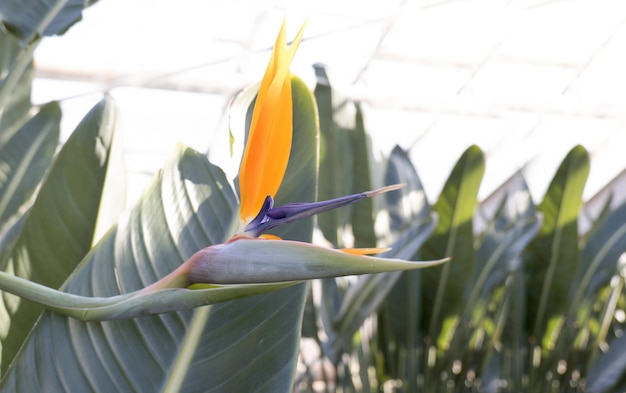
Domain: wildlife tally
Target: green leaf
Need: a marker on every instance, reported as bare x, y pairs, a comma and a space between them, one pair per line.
150, 240
17, 73
245, 345
362, 216
398, 318
553, 255
444, 286
28, 139
600, 262
16, 69
492, 307
25, 158
335, 170
44, 17
59, 228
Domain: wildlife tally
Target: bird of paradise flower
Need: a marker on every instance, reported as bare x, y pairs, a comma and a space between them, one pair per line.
251, 262
263, 166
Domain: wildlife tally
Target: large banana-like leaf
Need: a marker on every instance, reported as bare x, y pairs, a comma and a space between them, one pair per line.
44, 17
398, 319
362, 217
336, 175
600, 261
17, 72
553, 256
26, 146
335, 179
25, 158
443, 287
149, 241
551, 263
492, 302
59, 228
244, 345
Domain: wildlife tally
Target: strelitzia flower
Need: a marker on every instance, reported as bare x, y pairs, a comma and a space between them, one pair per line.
244, 259
251, 262
267, 152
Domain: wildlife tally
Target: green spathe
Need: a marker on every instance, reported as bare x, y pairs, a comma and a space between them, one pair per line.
250, 260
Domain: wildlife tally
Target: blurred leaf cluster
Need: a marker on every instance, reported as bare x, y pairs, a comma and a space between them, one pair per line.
528, 304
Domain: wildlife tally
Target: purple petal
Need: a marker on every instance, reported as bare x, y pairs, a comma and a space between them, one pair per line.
270, 217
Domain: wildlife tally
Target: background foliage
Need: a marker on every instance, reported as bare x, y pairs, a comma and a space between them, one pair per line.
514, 311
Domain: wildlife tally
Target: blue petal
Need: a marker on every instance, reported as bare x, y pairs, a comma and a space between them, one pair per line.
270, 217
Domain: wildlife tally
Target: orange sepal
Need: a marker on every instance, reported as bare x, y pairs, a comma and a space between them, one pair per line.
267, 150
364, 251
268, 236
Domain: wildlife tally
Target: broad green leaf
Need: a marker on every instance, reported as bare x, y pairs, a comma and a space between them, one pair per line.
344, 169
553, 256
150, 240
600, 261
17, 72
59, 228
335, 171
24, 151
44, 17
335, 180
490, 300
443, 287
398, 319
244, 345
362, 216
25, 158
114, 190
309, 316
398, 328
